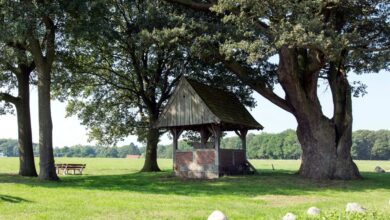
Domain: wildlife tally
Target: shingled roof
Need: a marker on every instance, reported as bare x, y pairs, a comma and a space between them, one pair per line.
225, 108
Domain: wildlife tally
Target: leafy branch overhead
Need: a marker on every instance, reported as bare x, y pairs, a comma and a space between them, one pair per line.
328, 29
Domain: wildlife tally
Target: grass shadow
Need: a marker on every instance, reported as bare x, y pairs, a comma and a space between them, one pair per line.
12, 199
279, 182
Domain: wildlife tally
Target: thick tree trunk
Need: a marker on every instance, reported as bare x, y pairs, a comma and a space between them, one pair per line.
152, 139
44, 55
46, 164
26, 154
324, 156
326, 143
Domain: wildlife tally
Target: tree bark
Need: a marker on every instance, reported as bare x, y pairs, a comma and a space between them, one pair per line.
26, 153
150, 164
324, 156
46, 164
326, 143
43, 54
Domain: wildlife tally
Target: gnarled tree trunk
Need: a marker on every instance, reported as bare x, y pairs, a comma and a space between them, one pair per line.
324, 154
326, 143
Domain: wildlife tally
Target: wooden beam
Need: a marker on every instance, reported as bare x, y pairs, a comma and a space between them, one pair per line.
176, 132
243, 132
242, 135
204, 136
217, 142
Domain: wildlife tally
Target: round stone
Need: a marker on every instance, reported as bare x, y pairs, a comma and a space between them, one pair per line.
355, 207
217, 215
289, 216
313, 211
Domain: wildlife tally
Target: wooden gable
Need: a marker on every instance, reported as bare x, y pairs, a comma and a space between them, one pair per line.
186, 108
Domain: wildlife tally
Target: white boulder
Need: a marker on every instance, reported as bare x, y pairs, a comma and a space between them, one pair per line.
355, 207
289, 216
313, 211
379, 169
217, 215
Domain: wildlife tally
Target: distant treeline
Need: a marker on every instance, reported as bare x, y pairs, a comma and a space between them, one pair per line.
9, 147
366, 145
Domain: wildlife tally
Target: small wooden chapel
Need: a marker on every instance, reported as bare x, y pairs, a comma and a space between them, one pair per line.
210, 111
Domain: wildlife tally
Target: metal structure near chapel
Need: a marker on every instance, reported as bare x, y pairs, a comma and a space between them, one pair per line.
209, 111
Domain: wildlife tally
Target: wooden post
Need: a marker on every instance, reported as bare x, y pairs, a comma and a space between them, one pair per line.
202, 138
175, 134
243, 140
242, 135
217, 142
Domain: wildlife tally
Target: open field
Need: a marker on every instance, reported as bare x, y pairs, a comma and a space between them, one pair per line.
113, 189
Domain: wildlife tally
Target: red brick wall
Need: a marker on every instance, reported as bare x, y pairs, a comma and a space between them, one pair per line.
205, 157
183, 158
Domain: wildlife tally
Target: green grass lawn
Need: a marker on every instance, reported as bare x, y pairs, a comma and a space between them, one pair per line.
113, 189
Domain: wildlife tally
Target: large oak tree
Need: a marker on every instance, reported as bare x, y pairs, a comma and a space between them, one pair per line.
314, 41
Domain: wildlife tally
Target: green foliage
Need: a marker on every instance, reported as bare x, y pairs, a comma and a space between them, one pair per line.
262, 28
10, 148
128, 149
284, 145
130, 56
97, 151
371, 145
164, 151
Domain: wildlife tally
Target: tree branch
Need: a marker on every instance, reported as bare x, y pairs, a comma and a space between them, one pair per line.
8, 98
12, 68
194, 5
50, 42
35, 49
257, 85
16, 45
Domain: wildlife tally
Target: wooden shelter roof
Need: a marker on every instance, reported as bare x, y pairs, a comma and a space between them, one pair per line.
225, 108
225, 105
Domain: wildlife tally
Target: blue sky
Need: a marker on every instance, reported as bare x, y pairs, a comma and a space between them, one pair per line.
370, 112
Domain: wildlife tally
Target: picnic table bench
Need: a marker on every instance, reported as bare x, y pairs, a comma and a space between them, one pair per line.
67, 167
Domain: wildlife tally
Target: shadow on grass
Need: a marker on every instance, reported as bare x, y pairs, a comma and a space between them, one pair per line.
267, 183
12, 199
